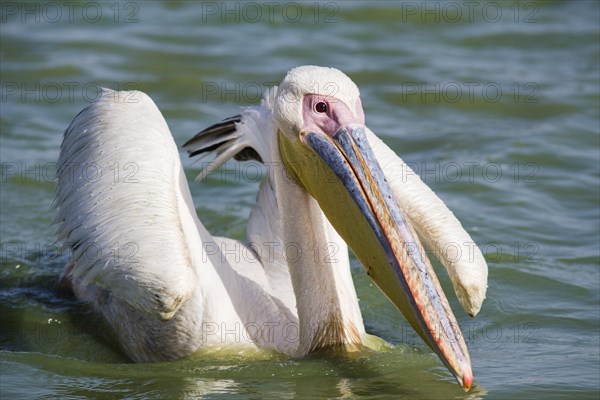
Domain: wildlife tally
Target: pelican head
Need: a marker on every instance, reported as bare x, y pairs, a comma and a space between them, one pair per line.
323, 145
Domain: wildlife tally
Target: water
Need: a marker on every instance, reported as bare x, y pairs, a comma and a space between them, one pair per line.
496, 108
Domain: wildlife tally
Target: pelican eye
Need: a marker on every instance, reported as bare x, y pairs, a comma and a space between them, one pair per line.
321, 107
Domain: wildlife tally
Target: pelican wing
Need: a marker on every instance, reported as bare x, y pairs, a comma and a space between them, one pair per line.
437, 227
243, 137
125, 208
249, 137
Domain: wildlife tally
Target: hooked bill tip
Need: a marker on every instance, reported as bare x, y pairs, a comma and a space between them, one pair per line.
467, 379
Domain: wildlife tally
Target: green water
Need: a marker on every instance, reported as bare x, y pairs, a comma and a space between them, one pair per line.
495, 104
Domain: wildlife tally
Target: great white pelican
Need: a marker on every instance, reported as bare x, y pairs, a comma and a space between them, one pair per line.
167, 287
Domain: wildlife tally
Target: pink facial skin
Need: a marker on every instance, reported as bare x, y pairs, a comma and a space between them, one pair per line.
328, 114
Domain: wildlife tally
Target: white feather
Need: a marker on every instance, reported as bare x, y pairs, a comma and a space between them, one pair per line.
145, 261
116, 156
141, 256
438, 228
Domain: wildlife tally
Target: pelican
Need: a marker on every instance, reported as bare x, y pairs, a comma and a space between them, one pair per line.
167, 287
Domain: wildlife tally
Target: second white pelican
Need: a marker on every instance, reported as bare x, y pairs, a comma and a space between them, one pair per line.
142, 258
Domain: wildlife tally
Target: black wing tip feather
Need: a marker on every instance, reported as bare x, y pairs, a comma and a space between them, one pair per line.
221, 130
223, 127
247, 154
204, 150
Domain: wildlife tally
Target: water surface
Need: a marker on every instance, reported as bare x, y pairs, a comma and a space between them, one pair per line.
495, 106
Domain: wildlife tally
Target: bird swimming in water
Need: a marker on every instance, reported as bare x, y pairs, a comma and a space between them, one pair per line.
167, 287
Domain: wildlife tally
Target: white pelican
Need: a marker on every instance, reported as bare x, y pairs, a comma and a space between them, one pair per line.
142, 258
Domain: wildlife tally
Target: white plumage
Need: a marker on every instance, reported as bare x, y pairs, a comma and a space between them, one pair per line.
167, 287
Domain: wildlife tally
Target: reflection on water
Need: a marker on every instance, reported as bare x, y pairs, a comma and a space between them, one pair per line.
495, 103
